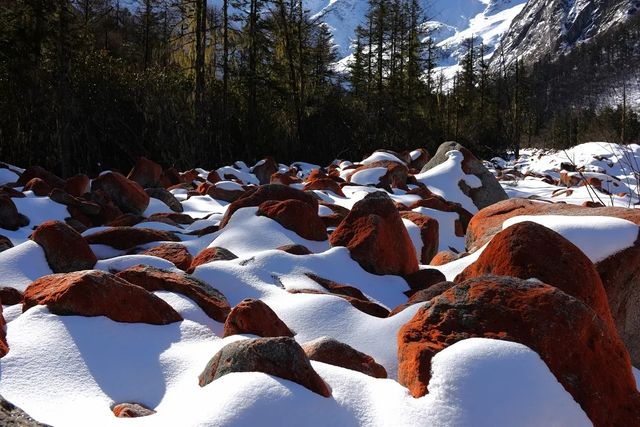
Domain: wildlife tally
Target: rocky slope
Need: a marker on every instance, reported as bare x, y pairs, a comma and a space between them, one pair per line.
554, 27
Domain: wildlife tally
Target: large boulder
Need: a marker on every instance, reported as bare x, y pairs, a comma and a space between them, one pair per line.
127, 195
282, 357
429, 234
382, 174
331, 351
252, 316
488, 222
488, 193
173, 252
620, 275
324, 184
146, 173
95, 293
77, 185
299, 217
210, 300
376, 237
65, 249
10, 218
166, 197
211, 254
584, 353
528, 250
264, 169
50, 178
265, 193
125, 238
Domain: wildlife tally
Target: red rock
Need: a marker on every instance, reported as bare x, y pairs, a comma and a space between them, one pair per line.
295, 250
569, 180
79, 226
5, 243
53, 180
39, 187
77, 185
423, 295
203, 187
126, 220
429, 233
529, 250
582, 351
316, 174
223, 194
210, 255
128, 195
10, 218
296, 216
264, 169
331, 351
421, 160
423, 279
589, 204
281, 356
486, 223
175, 217
284, 179
440, 204
338, 215
173, 252
213, 177
10, 296
170, 177
94, 293
396, 176
620, 275
108, 210
146, 173
189, 176
324, 184
445, 257
259, 195
210, 300
254, 317
131, 410
125, 238
376, 237
66, 250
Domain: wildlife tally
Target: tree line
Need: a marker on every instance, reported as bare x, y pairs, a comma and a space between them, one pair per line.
92, 84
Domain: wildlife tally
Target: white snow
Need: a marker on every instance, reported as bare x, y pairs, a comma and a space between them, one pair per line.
7, 176
22, 264
597, 236
444, 180
369, 176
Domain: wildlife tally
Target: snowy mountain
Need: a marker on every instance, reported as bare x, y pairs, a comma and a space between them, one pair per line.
556, 26
452, 22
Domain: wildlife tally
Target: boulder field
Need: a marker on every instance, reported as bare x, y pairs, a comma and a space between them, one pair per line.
402, 289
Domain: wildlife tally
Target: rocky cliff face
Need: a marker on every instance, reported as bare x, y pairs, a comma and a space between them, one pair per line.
554, 27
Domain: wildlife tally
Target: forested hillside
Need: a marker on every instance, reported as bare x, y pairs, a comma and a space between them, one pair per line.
93, 84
